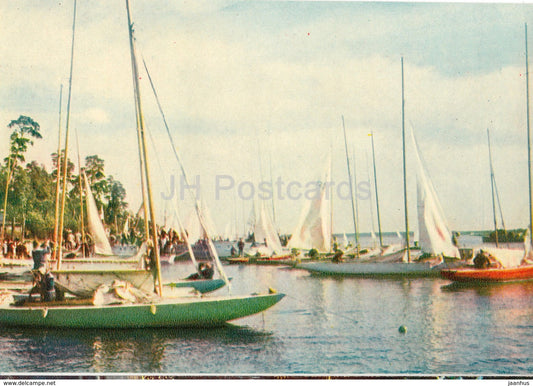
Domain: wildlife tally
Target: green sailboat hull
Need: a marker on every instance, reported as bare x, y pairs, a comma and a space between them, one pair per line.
182, 312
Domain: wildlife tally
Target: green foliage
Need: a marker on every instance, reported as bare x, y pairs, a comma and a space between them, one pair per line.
25, 129
32, 196
505, 236
115, 211
313, 253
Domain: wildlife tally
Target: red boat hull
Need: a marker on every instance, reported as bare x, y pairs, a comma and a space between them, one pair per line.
524, 272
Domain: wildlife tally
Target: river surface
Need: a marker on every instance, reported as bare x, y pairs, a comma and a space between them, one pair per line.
324, 326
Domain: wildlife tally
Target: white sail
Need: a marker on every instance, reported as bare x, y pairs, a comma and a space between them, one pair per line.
434, 236
265, 232
313, 229
195, 229
192, 229
96, 228
345, 240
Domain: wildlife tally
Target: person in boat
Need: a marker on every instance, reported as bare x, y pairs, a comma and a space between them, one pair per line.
43, 284
233, 251
485, 260
150, 261
455, 239
197, 275
208, 271
240, 245
337, 258
40, 256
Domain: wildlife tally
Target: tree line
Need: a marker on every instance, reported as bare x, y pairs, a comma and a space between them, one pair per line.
28, 190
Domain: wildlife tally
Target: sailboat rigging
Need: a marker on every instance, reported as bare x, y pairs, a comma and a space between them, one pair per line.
354, 216
512, 265
406, 211
376, 190
197, 206
65, 158
55, 250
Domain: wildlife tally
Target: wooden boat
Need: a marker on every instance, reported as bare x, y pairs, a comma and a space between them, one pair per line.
238, 260
374, 269
284, 259
489, 275
179, 312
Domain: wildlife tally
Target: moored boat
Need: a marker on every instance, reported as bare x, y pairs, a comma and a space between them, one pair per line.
191, 311
489, 275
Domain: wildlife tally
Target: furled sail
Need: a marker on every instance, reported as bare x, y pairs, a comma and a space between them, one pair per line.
313, 229
96, 228
265, 232
434, 236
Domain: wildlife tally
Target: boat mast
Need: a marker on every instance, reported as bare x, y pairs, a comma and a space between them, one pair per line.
272, 184
58, 180
376, 190
351, 188
142, 150
82, 226
405, 174
528, 139
330, 176
65, 159
492, 191
355, 197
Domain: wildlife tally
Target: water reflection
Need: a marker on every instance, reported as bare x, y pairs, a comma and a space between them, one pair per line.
109, 351
524, 288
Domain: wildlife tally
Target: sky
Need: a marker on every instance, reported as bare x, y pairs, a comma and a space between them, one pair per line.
257, 91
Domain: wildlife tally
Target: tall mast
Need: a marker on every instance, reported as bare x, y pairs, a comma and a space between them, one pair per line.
370, 201
82, 226
405, 175
330, 195
58, 180
528, 139
351, 188
376, 190
492, 182
141, 161
272, 184
65, 161
144, 155
356, 201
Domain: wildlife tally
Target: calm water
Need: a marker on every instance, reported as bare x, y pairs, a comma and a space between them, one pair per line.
323, 326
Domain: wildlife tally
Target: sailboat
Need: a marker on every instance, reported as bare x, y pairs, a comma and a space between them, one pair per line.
103, 256
313, 230
435, 238
266, 247
511, 265
132, 309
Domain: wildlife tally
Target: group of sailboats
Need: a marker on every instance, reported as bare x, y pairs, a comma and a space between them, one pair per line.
437, 253
435, 240
115, 298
